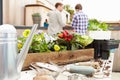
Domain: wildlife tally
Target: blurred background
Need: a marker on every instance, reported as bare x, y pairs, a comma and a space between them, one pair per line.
18, 12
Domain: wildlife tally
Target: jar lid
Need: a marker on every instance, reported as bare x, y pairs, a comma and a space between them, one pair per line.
7, 28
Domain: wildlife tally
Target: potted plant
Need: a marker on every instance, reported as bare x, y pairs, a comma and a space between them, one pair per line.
36, 18
98, 30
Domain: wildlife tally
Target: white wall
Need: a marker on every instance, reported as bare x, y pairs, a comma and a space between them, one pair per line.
13, 11
47, 3
105, 10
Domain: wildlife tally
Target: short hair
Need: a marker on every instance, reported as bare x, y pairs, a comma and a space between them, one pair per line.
78, 6
58, 4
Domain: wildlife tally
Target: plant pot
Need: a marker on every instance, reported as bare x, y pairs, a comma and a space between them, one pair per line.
105, 55
100, 35
60, 58
37, 20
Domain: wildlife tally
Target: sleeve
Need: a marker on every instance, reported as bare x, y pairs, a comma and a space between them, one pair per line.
74, 21
59, 17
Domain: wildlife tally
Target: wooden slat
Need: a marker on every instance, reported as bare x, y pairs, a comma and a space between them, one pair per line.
116, 62
60, 58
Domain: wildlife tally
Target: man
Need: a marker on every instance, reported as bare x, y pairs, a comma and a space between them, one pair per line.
55, 20
80, 20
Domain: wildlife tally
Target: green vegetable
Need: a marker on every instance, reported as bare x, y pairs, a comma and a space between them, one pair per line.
95, 25
103, 26
85, 40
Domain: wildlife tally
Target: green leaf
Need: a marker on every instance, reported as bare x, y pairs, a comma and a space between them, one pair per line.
95, 25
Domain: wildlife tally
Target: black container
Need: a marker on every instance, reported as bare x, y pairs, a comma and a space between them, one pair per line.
96, 44
110, 44
102, 47
105, 54
107, 45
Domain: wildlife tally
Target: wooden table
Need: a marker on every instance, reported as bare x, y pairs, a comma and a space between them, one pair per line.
28, 75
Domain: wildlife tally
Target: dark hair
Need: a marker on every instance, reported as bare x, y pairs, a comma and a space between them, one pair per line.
46, 20
58, 4
78, 6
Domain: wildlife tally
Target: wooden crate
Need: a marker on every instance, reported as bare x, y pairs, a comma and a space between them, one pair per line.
60, 58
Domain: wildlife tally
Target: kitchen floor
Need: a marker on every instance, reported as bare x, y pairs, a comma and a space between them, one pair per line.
116, 76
